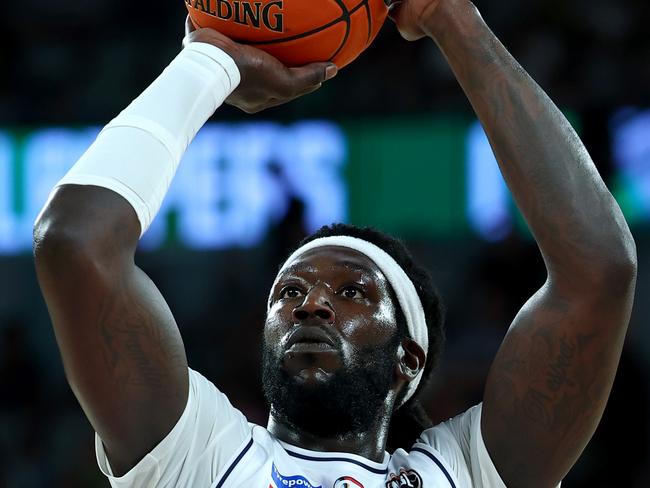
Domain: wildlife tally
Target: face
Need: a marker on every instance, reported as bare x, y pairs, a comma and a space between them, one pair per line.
330, 342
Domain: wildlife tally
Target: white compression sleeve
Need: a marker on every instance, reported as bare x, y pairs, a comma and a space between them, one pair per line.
136, 155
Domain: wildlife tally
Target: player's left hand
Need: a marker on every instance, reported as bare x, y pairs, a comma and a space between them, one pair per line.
265, 81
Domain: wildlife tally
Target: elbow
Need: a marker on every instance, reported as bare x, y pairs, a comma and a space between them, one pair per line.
618, 266
61, 243
622, 262
608, 274
80, 223
57, 245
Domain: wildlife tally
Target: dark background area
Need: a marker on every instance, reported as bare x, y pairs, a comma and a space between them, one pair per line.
70, 62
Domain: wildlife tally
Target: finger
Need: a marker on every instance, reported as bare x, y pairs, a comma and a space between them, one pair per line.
402, 16
275, 102
308, 90
393, 10
270, 103
310, 75
189, 25
189, 28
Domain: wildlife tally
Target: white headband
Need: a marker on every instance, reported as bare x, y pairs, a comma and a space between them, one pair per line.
407, 296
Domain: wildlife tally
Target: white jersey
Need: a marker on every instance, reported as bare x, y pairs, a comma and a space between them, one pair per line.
213, 446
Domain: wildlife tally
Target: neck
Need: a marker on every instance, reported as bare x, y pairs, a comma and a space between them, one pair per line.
370, 444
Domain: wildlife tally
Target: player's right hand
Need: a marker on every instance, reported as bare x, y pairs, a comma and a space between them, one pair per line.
265, 81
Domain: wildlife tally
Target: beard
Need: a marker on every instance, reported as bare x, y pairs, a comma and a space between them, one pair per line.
349, 401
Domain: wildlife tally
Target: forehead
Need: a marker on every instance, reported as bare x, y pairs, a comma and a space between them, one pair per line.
334, 258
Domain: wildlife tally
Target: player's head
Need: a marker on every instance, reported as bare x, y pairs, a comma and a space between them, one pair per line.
339, 295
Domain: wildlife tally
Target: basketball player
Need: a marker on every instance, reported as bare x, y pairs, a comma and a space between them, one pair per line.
353, 324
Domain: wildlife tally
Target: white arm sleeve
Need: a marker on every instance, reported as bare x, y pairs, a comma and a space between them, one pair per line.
209, 433
136, 155
460, 441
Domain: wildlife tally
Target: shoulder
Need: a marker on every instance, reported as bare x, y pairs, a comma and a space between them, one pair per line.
454, 434
459, 443
211, 404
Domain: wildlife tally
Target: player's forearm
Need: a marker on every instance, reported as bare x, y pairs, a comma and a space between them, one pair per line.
136, 155
576, 222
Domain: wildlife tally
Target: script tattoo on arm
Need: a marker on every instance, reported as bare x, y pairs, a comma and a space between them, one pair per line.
122, 351
550, 380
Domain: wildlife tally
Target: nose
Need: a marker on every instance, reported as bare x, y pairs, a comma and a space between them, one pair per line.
316, 305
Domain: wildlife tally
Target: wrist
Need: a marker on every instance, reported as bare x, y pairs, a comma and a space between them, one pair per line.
219, 62
448, 15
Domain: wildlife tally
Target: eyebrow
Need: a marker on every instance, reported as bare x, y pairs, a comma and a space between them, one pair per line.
349, 265
358, 267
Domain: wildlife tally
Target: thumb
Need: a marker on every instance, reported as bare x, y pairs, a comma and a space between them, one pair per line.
393, 10
312, 74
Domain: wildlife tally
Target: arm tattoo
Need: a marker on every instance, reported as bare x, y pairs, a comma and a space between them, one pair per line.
137, 349
557, 374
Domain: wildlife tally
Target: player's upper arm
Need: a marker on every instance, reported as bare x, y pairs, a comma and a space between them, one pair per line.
121, 348
549, 383
202, 444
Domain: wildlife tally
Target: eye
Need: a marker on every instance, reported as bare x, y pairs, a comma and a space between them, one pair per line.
353, 292
290, 291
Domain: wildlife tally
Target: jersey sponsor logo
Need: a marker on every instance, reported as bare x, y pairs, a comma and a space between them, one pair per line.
404, 479
347, 482
296, 481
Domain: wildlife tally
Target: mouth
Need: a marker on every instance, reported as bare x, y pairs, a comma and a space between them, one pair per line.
310, 339
310, 347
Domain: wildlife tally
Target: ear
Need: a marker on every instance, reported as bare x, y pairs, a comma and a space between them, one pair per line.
411, 359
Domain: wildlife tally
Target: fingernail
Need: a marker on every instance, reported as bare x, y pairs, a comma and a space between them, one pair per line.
330, 71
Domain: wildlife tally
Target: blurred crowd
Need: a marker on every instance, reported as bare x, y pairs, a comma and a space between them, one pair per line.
76, 61
70, 62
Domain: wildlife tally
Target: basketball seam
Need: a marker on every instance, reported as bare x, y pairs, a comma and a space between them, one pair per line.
346, 16
366, 4
308, 33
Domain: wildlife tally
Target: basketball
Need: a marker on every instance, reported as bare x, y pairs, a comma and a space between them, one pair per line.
297, 32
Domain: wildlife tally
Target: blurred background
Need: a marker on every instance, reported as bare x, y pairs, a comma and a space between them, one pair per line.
390, 142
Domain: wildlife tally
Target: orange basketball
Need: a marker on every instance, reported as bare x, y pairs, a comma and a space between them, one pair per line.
296, 32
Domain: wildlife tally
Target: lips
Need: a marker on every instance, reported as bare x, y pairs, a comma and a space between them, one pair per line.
310, 338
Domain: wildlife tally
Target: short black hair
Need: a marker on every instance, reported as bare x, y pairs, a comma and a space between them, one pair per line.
408, 420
